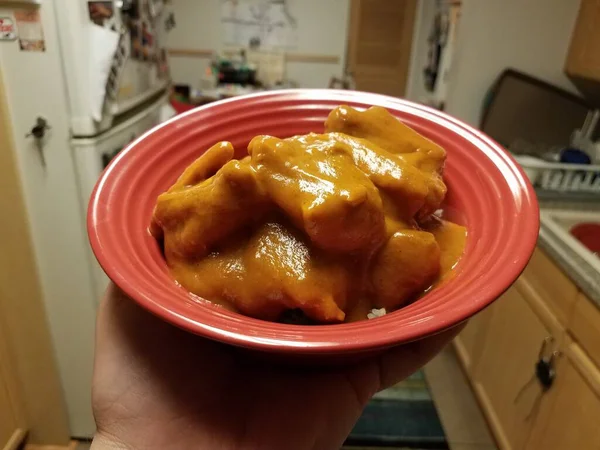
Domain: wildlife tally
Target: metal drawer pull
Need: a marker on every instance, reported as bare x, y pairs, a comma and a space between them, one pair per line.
544, 374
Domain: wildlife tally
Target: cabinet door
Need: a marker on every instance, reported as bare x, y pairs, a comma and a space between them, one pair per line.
552, 285
470, 342
569, 414
585, 327
583, 58
504, 374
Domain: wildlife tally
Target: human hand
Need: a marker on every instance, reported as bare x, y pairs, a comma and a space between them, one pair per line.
158, 387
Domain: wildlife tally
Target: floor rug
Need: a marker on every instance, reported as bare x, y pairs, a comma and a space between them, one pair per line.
401, 416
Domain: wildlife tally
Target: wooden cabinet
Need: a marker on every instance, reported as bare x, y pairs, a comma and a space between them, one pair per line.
499, 350
583, 59
469, 344
585, 327
553, 287
568, 417
503, 375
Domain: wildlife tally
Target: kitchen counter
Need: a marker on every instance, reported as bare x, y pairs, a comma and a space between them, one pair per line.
547, 308
586, 277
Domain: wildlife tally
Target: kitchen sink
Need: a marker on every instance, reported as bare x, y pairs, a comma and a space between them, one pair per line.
576, 232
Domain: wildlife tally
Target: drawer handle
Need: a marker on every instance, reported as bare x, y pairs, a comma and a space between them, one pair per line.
546, 343
544, 374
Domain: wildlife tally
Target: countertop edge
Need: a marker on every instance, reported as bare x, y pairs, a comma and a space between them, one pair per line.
572, 264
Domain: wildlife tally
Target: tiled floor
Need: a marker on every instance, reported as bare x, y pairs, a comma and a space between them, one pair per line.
413, 388
378, 448
459, 412
86, 446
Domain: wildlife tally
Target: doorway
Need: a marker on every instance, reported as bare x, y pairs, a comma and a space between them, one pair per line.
379, 44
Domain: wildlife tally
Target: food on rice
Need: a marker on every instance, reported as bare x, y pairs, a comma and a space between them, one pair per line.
337, 226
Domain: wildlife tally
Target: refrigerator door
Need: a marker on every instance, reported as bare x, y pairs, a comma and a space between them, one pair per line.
134, 67
93, 155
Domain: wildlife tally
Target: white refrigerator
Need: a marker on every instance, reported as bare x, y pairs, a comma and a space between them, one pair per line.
113, 59
95, 72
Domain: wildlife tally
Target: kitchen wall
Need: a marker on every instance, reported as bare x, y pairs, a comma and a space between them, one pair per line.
322, 31
529, 35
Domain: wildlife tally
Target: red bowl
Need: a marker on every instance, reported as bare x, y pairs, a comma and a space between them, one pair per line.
487, 192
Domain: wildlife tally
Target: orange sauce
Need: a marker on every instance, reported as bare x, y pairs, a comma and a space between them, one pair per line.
331, 224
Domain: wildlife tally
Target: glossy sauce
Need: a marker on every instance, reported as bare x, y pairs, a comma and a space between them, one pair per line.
330, 224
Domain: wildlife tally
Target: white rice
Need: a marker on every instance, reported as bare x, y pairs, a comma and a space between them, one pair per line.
376, 313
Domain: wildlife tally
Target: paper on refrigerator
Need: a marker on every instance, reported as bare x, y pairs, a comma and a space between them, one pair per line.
103, 45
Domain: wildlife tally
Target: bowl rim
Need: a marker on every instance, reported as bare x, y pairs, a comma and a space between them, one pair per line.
328, 343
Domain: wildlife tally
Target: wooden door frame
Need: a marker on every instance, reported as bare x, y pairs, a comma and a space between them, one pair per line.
29, 367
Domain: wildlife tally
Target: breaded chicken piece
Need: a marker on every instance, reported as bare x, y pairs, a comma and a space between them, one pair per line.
271, 272
194, 219
322, 192
378, 126
408, 263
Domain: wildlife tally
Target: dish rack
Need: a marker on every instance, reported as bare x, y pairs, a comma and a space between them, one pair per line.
561, 177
